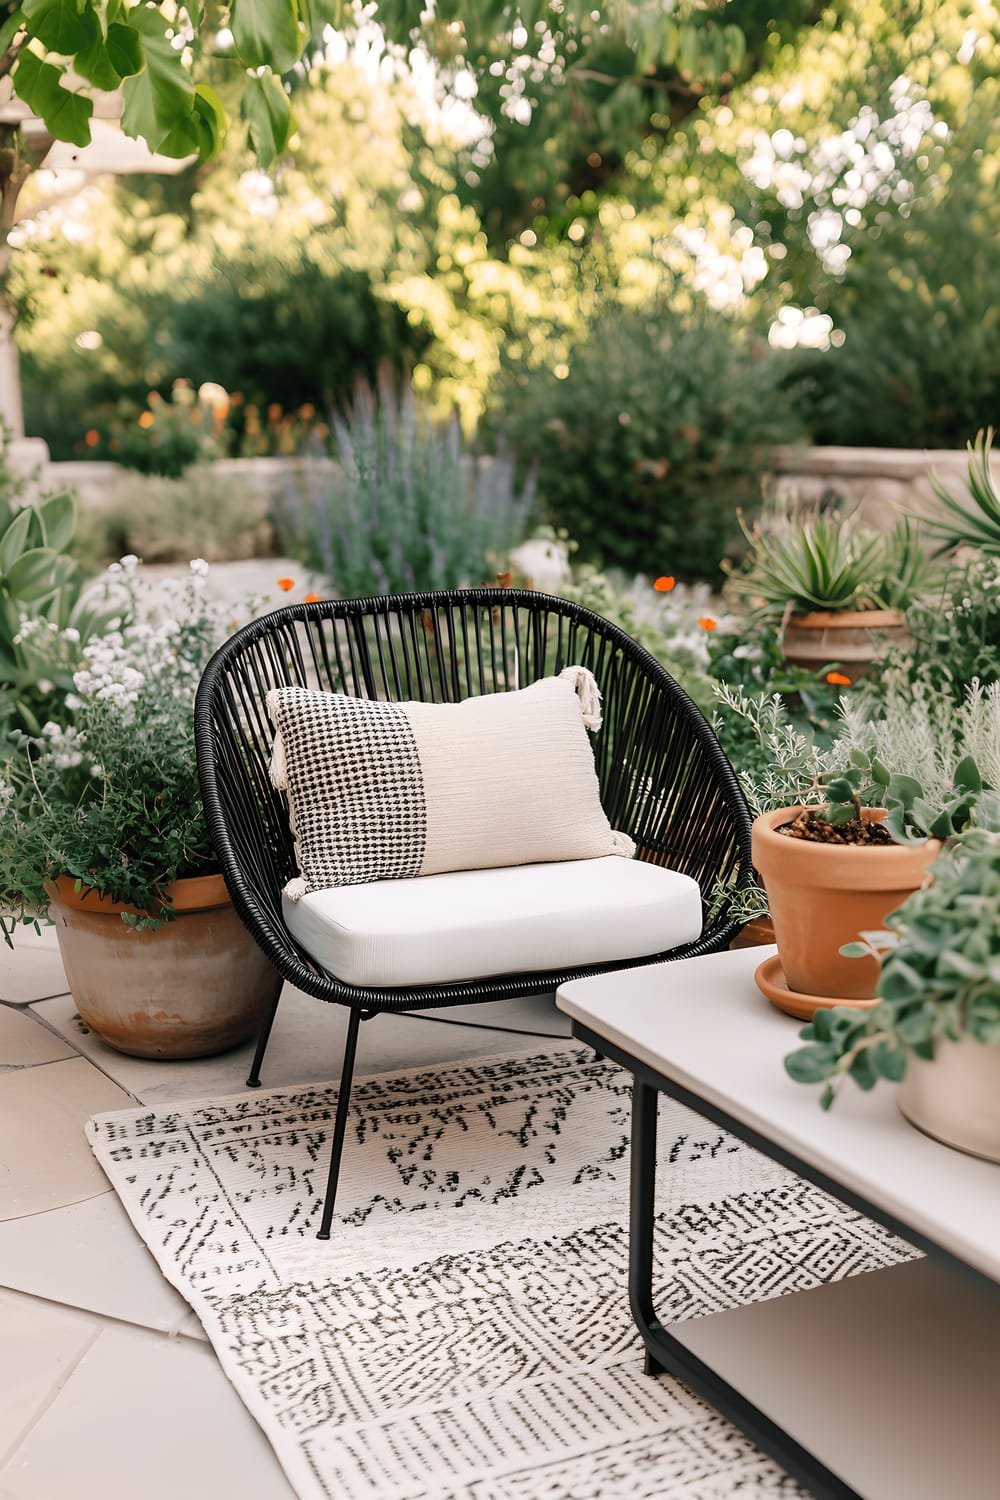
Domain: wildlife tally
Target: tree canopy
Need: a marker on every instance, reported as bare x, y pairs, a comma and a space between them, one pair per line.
562, 84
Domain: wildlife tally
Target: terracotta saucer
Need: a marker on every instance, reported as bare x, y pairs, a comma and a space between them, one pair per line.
771, 982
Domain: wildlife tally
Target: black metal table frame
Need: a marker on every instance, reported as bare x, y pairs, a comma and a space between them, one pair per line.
665, 1353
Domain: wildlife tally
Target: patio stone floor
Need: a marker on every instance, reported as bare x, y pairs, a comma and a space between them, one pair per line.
110, 1388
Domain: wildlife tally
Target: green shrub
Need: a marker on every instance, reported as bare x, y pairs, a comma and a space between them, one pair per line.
409, 510
919, 366
45, 620
164, 520
657, 434
277, 331
160, 436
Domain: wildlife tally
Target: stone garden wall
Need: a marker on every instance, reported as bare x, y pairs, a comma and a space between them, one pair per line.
875, 481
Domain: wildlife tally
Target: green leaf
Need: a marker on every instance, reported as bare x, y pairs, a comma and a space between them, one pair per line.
161, 97
58, 518
941, 826
32, 577
863, 1071
880, 773
39, 85
268, 115
811, 1064
266, 33
904, 790
899, 980
967, 777
92, 61
10, 28
124, 49
183, 140
14, 539
839, 813
895, 821
212, 120
855, 950
889, 1061
58, 25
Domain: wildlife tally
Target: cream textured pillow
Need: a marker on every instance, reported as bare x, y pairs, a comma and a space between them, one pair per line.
383, 791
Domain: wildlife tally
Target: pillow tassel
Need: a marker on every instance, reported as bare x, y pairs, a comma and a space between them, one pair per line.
278, 766
588, 693
623, 844
296, 889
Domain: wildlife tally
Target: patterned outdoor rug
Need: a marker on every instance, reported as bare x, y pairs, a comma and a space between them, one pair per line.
466, 1330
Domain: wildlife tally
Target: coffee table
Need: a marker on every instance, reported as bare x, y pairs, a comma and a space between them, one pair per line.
882, 1386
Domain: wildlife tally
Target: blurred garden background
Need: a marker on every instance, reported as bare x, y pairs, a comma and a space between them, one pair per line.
632, 265
629, 284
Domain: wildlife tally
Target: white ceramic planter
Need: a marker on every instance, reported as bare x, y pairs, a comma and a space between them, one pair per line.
956, 1098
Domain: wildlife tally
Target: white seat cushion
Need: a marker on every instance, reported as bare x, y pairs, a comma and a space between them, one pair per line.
470, 924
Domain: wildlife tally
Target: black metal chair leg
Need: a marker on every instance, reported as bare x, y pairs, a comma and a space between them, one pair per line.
340, 1123
253, 1077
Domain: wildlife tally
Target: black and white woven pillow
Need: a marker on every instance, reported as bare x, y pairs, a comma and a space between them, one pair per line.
383, 791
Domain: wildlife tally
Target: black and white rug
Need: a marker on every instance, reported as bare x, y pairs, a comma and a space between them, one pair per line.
466, 1330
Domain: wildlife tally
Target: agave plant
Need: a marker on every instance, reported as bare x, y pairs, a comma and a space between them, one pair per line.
963, 526
814, 563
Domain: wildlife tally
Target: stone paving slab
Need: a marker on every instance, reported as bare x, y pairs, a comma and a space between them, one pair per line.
32, 970
25, 1041
144, 1417
40, 1346
88, 1256
45, 1161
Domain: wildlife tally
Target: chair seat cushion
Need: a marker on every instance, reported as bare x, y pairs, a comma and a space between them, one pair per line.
472, 924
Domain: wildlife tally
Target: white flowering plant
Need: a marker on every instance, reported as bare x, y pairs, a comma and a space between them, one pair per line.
112, 801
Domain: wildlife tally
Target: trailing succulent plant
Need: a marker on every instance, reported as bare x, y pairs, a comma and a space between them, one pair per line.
940, 975
912, 815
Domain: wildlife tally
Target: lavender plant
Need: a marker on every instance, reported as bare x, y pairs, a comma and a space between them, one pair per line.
411, 510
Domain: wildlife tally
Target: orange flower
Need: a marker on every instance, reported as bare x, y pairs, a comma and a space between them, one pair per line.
837, 679
312, 599
707, 623
664, 585
147, 419
92, 437
286, 584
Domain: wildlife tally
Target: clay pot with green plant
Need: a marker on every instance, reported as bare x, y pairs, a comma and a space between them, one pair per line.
837, 867
104, 832
837, 590
936, 1028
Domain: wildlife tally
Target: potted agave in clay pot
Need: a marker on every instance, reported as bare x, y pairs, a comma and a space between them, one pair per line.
104, 834
836, 592
834, 868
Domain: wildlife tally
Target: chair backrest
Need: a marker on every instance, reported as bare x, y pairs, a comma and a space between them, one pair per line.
663, 777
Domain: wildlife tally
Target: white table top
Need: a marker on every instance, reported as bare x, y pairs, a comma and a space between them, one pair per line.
703, 1023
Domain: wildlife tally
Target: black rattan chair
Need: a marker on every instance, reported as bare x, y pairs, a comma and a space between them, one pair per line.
664, 779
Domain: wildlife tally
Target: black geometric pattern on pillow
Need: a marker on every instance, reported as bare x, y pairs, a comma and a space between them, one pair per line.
355, 788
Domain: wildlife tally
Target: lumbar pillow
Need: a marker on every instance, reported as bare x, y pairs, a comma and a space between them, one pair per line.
383, 791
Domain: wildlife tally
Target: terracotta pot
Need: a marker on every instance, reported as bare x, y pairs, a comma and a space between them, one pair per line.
757, 932
823, 895
195, 986
851, 638
956, 1098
